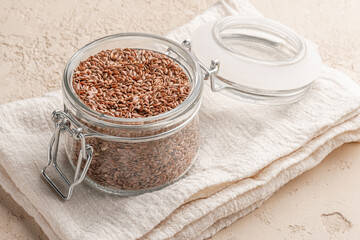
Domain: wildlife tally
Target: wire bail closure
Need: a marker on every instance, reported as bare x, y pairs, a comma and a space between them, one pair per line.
62, 124
209, 73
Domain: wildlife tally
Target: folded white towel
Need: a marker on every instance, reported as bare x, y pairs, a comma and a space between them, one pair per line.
248, 152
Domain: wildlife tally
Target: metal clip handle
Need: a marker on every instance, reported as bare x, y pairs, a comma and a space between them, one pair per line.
209, 73
62, 124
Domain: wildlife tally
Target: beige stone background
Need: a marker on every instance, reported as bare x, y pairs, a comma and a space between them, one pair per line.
38, 37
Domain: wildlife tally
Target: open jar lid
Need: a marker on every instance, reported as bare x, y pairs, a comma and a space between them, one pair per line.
258, 60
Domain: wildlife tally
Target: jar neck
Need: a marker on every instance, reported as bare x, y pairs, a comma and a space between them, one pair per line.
93, 122
133, 133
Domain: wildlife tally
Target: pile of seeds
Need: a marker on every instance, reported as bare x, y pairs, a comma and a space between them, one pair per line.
131, 83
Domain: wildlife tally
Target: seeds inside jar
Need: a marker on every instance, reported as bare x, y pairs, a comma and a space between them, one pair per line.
134, 83
131, 83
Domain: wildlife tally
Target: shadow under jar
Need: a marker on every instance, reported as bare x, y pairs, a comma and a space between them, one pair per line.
129, 156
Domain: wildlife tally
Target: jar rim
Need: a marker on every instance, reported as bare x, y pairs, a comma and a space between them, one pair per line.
109, 120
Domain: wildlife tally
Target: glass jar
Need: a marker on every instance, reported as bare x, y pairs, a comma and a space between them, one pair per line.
129, 156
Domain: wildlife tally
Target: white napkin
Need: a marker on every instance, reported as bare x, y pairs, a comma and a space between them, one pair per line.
248, 152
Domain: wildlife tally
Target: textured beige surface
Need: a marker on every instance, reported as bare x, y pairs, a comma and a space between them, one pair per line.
321, 204
38, 37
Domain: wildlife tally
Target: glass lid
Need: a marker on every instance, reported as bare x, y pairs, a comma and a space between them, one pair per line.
256, 59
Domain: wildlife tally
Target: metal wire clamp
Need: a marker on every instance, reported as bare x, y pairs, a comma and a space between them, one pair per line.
63, 124
209, 73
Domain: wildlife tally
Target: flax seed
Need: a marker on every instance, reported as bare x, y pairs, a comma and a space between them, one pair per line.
143, 71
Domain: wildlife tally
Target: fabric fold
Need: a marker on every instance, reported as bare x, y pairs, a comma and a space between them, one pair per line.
263, 185
248, 152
